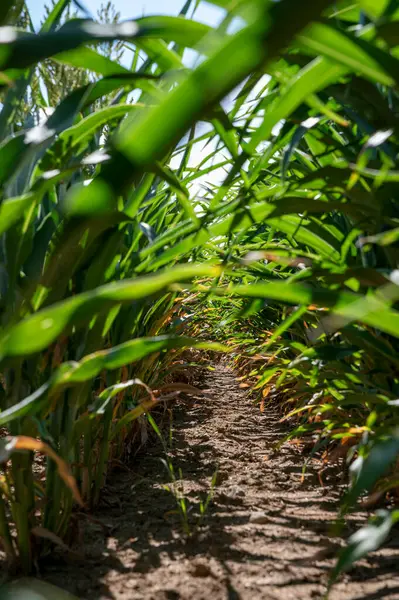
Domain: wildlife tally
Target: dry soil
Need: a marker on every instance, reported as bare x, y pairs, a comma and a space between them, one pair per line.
265, 534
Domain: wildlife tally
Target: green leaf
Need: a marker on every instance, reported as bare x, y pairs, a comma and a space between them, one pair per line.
365, 540
243, 219
5, 9
353, 52
87, 58
27, 49
376, 464
55, 15
74, 373
151, 137
36, 332
313, 77
374, 8
75, 139
13, 209
183, 31
28, 588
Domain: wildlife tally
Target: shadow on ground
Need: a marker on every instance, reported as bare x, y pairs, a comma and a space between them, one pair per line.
264, 535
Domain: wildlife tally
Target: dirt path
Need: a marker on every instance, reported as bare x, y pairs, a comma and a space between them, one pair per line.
261, 532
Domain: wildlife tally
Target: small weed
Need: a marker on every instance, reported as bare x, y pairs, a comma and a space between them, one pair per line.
176, 486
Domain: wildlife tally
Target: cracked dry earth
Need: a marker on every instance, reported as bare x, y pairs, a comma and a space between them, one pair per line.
265, 535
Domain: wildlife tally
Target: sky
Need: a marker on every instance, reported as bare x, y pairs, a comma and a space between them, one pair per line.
130, 9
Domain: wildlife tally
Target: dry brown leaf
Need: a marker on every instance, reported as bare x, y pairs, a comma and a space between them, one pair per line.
46, 534
23, 442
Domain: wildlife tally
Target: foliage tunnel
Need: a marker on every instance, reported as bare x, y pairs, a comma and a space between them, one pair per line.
242, 176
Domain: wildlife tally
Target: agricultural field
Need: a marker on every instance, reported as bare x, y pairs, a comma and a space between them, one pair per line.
199, 293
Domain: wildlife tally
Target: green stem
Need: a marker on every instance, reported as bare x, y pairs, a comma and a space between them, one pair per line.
5, 532
88, 463
21, 466
103, 457
51, 511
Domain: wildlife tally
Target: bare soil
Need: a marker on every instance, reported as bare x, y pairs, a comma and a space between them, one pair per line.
265, 534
